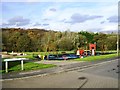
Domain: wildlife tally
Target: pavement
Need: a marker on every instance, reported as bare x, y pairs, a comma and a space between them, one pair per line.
64, 80
62, 66
102, 75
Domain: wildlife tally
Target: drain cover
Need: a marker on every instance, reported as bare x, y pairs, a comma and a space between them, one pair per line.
82, 78
113, 69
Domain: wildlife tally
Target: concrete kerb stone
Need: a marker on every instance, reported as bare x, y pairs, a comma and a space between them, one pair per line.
61, 71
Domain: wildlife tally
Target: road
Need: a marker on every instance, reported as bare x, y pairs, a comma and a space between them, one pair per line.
104, 75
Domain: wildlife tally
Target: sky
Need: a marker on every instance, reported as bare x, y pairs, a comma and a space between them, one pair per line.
60, 16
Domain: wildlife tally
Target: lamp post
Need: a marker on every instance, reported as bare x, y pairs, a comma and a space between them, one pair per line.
118, 37
86, 48
118, 43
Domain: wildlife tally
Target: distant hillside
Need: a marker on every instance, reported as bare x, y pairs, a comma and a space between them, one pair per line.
20, 40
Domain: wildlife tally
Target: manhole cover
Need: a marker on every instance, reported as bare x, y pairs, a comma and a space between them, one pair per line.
82, 78
113, 69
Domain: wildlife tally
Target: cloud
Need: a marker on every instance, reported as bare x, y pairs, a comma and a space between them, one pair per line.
53, 9
78, 18
113, 19
17, 21
102, 22
40, 25
46, 19
110, 28
95, 29
37, 24
49, 14
63, 20
60, 1
7, 24
45, 24
74, 16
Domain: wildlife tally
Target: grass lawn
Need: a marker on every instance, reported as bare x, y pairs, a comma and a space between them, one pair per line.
30, 54
100, 57
46, 53
107, 51
16, 66
26, 56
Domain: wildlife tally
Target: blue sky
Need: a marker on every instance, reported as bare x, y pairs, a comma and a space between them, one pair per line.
61, 16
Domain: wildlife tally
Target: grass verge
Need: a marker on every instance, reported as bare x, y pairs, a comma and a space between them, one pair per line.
16, 66
94, 58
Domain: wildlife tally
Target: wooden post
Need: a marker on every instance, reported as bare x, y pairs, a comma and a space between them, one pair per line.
6, 66
21, 64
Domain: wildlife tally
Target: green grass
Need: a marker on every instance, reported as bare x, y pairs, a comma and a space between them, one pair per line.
26, 56
30, 54
16, 66
109, 51
94, 58
46, 53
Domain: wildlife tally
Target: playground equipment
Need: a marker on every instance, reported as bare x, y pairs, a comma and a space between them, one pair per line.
92, 49
80, 52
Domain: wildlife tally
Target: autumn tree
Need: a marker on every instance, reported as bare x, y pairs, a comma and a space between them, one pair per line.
17, 39
100, 39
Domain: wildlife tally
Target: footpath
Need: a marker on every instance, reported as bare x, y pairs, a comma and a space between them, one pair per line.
62, 66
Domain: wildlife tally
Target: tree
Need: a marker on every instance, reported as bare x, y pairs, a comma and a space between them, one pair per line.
65, 43
89, 36
16, 39
79, 41
100, 39
24, 43
111, 42
48, 42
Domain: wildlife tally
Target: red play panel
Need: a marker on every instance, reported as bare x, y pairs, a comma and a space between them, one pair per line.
92, 46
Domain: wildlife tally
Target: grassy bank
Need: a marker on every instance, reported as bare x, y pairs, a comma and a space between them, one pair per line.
16, 66
100, 57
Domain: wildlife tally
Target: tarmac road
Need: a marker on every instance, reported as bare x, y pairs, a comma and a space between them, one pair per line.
104, 75
107, 70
